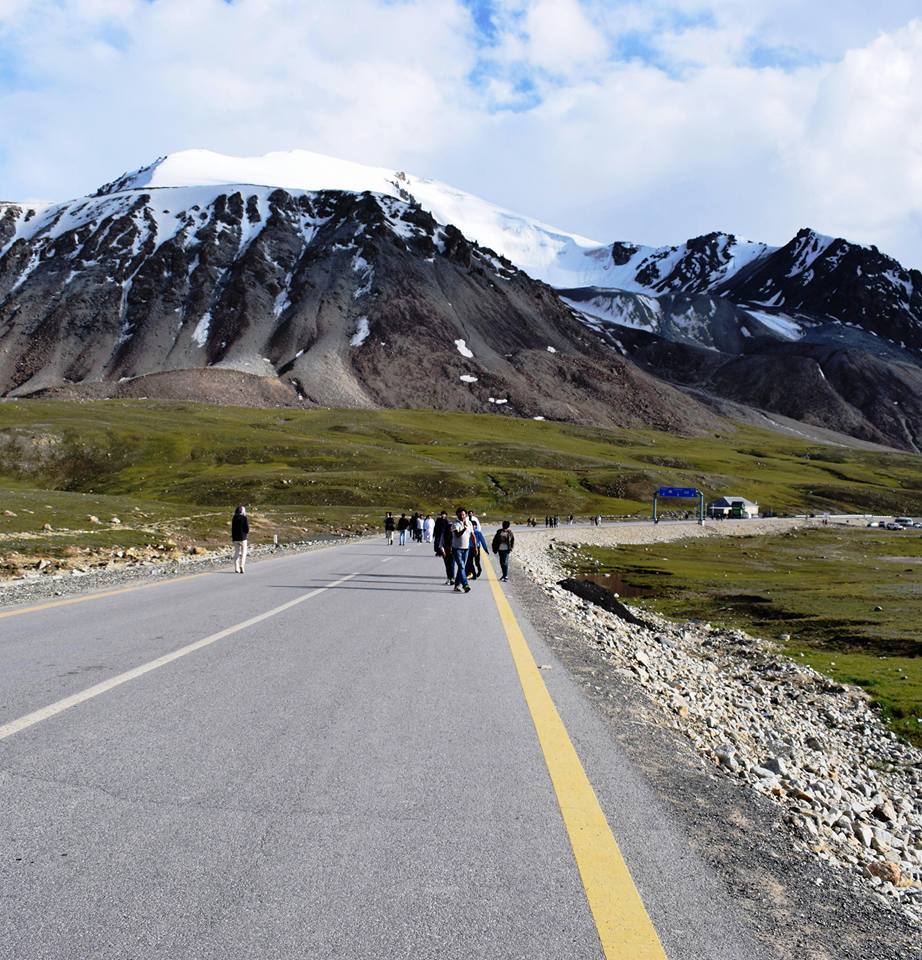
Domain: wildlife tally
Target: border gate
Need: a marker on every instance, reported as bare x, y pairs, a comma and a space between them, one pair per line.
679, 493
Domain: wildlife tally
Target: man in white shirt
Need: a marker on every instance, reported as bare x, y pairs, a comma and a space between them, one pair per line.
461, 531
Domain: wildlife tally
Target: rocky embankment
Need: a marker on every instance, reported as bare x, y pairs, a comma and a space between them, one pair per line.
850, 788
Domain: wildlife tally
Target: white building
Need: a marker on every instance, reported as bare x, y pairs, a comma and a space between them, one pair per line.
733, 507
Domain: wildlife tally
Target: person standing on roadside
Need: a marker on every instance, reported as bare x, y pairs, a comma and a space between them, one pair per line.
441, 539
402, 525
503, 544
390, 526
461, 531
240, 532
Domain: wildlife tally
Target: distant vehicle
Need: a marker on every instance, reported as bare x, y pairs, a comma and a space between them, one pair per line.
892, 525
904, 521
875, 523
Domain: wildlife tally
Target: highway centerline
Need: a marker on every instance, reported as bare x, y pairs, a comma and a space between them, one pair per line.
625, 930
53, 709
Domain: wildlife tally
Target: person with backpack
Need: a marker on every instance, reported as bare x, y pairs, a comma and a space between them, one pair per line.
390, 526
240, 532
402, 524
503, 544
461, 531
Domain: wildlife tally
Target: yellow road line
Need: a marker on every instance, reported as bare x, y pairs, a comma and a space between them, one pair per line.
30, 719
625, 929
85, 598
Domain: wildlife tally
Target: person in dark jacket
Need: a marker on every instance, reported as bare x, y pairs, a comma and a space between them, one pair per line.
441, 542
402, 524
478, 542
503, 544
390, 525
240, 532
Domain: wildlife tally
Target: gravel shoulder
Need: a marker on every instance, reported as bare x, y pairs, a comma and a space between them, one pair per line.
35, 589
808, 853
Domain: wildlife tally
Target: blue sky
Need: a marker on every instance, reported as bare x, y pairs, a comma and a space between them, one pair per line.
652, 121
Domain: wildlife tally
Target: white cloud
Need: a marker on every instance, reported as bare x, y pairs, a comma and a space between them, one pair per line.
560, 36
651, 121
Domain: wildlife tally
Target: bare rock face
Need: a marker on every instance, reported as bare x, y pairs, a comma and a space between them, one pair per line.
819, 330
270, 296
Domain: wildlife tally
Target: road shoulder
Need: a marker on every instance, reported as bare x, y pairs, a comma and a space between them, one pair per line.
793, 905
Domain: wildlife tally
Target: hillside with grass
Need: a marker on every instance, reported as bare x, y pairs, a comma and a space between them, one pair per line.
171, 472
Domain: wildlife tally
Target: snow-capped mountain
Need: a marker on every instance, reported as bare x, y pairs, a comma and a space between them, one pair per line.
348, 298
352, 283
545, 253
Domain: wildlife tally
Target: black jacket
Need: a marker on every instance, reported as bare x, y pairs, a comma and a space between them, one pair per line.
240, 527
389, 523
438, 534
501, 535
403, 523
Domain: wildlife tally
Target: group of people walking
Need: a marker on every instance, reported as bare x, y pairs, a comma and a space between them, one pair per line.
459, 542
418, 528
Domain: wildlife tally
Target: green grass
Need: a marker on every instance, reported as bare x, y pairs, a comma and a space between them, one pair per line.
180, 466
819, 586
177, 468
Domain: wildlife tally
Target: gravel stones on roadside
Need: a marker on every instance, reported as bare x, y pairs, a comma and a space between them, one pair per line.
850, 789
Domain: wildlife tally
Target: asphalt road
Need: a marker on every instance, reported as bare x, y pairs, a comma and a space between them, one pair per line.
332, 756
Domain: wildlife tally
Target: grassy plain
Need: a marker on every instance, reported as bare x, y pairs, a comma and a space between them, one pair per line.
176, 468
849, 600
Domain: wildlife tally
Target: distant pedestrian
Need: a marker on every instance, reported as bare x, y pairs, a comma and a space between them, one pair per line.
240, 532
598, 520
461, 531
402, 524
428, 528
503, 545
441, 538
390, 525
418, 524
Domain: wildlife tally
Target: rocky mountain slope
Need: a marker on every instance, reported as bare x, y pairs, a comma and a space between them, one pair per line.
345, 298
822, 330
342, 284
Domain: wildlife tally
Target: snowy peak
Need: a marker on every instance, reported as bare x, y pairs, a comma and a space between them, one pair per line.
546, 253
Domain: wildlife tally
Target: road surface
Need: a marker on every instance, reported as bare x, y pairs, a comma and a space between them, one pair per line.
331, 756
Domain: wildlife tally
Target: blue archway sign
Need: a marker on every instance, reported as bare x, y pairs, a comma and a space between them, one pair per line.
679, 493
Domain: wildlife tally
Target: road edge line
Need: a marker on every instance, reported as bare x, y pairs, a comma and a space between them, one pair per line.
623, 925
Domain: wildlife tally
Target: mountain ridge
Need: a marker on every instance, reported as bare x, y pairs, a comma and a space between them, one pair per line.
179, 265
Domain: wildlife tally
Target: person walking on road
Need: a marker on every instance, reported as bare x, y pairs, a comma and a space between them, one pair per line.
390, 526
461, 531
418, 524
441, 538
478, 543
428, 528
240, 532
503, 544
402, 525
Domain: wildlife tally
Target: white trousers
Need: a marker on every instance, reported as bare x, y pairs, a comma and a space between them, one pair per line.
240, 555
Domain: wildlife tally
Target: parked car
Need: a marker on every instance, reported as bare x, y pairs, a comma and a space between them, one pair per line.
874, 523
892, 525
903, 521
